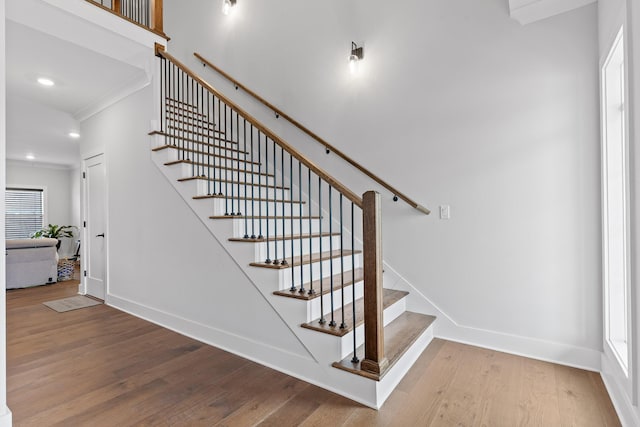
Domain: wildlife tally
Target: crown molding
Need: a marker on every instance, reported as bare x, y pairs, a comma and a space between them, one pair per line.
528, 11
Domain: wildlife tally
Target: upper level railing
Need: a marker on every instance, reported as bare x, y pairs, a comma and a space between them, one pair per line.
262, 180
145, 13
330, 148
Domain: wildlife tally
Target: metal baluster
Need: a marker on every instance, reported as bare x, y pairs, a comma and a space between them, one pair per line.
332, 322
266, 166
233, 172
311, 291
209, 147
354, 359
342, 324
226, 165
253, 202
260, 236
322, 320
302, 290
237, 178
215, 157
293, 281
163, 81
284, 243
246, 212
275, 210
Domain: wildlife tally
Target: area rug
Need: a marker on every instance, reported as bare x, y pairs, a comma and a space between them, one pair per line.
73, 303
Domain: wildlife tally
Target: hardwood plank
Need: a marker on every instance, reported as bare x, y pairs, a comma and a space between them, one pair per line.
102, 367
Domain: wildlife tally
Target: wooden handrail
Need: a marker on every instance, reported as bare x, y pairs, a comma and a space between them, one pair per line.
328, 146
155, 15
357, 200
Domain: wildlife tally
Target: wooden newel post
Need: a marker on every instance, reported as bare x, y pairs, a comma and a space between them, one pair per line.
374, 359
116, 6
157, 22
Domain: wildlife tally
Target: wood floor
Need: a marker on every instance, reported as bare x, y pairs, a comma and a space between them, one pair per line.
101, 367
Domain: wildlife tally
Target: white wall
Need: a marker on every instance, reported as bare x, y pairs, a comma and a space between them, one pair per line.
163, 263
612, 15
58, 182
5, 413
456, 104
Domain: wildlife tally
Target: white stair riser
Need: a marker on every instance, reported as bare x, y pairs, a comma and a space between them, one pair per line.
285, 248
313, 307
290, 226
214, 164
189, 171
220, 207
307, 269
184, 119
210, 144
241, 189
223, 174
389, 315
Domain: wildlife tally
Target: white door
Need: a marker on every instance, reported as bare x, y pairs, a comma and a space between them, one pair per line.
95, 236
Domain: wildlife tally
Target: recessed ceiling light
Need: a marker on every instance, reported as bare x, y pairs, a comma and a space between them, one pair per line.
74, 135
45, 81
30, 157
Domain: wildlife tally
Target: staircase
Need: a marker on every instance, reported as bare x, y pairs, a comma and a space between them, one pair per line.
310, 245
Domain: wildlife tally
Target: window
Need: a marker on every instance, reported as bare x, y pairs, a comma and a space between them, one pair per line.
24, 212
615, 180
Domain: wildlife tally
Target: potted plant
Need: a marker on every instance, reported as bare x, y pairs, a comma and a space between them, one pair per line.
55, 232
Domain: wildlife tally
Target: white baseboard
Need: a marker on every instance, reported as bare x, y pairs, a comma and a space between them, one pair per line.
548, 351
6, 417
447, 328
275, 358
627, 412
242, 346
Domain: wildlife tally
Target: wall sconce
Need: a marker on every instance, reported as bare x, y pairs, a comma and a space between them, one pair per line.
227, 5
357, 53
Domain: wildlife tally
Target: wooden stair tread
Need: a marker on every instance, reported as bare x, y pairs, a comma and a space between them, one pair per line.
179, 108
399, 335
389, 297
193, 132
255, 199
326, 285
305, 259
218, 156
211, 128
202, 153
207, 144
250, 217
173, 100
189, 116
241, 183
179, 133
279, 238
191, 162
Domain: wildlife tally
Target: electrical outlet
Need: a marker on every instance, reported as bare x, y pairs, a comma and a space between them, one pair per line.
445, 212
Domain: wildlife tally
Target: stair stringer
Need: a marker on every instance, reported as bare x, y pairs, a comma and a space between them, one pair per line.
325, 349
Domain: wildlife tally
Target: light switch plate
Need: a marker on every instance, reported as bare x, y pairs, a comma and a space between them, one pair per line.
445, 212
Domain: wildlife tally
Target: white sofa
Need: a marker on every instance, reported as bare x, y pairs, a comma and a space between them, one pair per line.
31, 262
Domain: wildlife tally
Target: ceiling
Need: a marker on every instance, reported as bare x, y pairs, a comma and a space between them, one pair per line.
528, 11
40, 118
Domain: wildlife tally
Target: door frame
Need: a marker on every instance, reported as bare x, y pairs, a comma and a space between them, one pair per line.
82, 287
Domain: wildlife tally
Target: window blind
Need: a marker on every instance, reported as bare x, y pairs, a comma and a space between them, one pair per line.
24, 212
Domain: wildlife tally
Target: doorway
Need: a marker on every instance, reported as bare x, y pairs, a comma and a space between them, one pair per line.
94, 222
